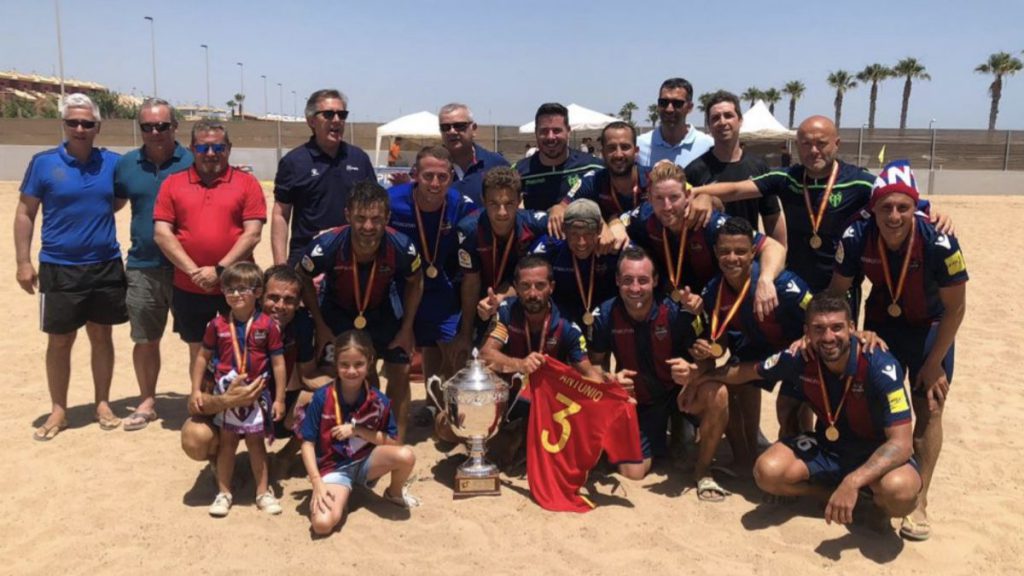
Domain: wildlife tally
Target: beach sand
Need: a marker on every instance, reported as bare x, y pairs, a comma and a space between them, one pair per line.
123, 502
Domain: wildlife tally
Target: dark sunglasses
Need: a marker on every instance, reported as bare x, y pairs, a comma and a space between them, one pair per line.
204, 148
675, 102
157, 126
331, 114
87, 124
458, 126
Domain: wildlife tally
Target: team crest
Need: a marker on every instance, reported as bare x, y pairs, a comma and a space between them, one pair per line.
307, 264
660, 332
574, 184
835, 199
464, 260
259, 335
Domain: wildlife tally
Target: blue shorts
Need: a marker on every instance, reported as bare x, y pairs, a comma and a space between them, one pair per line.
911, 345
828, 463
653, 419
352, 474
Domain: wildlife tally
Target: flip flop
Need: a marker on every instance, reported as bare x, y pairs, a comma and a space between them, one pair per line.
710, 491
138, 420
108, 422
46, 433
915, 530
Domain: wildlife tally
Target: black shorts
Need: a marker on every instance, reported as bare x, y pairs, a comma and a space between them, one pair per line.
71, 295
829, 462
192, 312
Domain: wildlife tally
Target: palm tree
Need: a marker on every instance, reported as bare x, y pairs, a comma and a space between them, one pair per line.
231, 104
240, 98
753, 94
842, 81
909, 69
652, 114
703, 100
771, 97
626, 112
874, 73
795, 90
999, 64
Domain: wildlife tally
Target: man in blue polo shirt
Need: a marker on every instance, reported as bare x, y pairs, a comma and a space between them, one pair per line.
81, 278
314, 180
137, 178
470, 161
674, 139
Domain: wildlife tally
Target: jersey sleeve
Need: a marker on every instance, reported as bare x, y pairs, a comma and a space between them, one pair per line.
120, 190
772, 183
284, 181
953, 269
887, 380
546, 247
210, 335
275, 343
783, 366
255, 207
794, 295
310, 430
408, 258
587, 189
576, 342
769, 205
499, 324
688, 328
601, 335
163, 208
537, 222
696, 173
318, 256
31, 184
469, 258
849, 250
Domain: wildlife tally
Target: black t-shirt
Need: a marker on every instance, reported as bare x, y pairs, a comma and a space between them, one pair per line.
707, 169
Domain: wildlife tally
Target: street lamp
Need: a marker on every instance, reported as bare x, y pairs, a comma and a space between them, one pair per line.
241, 79
152, 37
266, 108
295, 104
206, 49
280, 88
860, 145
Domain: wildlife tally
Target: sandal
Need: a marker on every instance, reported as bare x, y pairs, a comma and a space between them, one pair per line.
108, 423
710, 491
46, 433
138, 420
406, 500
915, 530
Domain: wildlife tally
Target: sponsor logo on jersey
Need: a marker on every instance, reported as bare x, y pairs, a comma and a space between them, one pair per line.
955, 264
897, 401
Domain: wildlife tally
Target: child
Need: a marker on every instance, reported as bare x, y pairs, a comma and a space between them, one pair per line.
243, 345
348, 437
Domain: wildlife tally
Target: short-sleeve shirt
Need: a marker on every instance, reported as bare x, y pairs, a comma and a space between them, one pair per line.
708, 169
652, 147
667, 332
563, 340
545, 186
598, 187
470, 182
263, 341
850, 194
568, 295
876, 399
480, 253
78, 205
372, 409
317, 187
208, 220
936, 262
138, 180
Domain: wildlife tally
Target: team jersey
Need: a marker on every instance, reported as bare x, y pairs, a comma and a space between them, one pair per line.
262, 341
568, 295
478, 253
936, 261
753, 339
668, 332
545, 186
563, 339
598, 187
699, 262
572, 420
470, 182
708, 169
876, 398
371, 410
330, 254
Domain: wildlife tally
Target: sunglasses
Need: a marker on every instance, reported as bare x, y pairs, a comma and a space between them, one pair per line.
204, 148
675, 102
331, 114
458, 126
87, 124
155, 126
239, 291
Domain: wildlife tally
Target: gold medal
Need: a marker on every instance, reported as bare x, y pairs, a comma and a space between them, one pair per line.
816, 218
431, 271
360, 322
894, 310
718, 328
430, 256
815, 241
832, 433
362, 298
588, 318
717, 350
675, 274
677, 295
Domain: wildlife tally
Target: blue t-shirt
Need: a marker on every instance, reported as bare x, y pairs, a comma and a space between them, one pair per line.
545, 186
78, 206
471, 182
138, 180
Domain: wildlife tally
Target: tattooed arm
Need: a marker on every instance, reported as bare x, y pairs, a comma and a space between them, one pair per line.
895, 452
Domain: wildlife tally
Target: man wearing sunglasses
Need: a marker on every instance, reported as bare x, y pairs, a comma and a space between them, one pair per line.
205, 218
81, 277
674, 139
137, 179
313, 181
470, 161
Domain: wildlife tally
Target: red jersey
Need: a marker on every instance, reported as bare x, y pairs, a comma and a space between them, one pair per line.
571, 421
262, 342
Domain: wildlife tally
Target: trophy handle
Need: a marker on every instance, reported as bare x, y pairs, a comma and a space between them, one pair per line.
517, 390
430, 392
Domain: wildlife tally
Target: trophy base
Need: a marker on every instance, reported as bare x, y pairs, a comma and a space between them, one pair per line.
467, 485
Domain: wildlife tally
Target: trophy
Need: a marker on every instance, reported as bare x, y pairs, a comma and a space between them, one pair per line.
474, 401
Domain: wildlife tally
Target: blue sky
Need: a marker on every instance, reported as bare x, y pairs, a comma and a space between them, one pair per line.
503, 59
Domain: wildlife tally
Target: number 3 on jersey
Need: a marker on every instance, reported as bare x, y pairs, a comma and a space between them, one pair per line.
562, 419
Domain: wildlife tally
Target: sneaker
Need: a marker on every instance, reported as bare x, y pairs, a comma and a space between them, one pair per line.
268, 503
221, 505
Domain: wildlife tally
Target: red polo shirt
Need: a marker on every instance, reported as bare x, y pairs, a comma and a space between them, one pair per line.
208, 221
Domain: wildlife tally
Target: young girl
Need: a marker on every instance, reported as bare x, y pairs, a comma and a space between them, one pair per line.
348, 437
243, 345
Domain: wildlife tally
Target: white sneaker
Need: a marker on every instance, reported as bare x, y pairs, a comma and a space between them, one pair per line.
268, 503
221, 505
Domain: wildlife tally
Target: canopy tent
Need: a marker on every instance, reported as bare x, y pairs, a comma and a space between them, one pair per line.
580, 118
419, 125
760, 124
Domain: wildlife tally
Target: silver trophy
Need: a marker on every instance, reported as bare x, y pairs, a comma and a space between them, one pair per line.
474, 402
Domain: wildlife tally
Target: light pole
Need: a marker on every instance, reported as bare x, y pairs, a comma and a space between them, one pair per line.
60, 62
206, 49
295, 104
266, 108
152, 37
280, 89
241, 81
860, 145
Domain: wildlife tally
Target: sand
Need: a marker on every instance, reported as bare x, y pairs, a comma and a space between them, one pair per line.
105, 502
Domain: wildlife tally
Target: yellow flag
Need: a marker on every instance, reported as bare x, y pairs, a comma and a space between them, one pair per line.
881, 157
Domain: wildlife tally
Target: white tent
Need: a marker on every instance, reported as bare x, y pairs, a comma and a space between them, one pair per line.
580, 118
419, 125
759, 124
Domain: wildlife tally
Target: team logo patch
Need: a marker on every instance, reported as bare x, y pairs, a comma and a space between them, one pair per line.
318, 250
840, 253
314, 172
307, 264
259, 335
835, 199
897, 401
890, 371
806, 300
412, 250
583, 343
464, 260
697, 325
539, 215
462, 237
771, 361
955, 264
660, 332
574, 184
943, 240
415, 264
792, 288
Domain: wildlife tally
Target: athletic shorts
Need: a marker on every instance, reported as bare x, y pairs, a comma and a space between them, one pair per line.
828, 463
72, 295
381, 324
150, 291
192, 312
351, 474
437, 318
911, 345
653, 419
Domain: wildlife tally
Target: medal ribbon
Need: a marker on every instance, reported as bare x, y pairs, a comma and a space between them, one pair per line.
832, 418
589, 295
499, 272
615, 195
716, 330
543, 334
430, 256
241, 351
884, 257
674, 274
817, 218
362, 301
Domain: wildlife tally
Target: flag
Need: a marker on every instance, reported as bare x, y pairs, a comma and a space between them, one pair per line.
881, 156
572, 420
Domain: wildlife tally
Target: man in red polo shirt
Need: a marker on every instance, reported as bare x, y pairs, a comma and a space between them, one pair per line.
206, 218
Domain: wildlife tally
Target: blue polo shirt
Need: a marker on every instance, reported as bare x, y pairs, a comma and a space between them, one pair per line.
138, 180
78, 205
471, 182
652, 148
317, 187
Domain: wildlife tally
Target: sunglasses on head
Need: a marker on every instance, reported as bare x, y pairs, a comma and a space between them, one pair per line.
331, 114
675, 102
204, 148
87, 124
458, 126
157, 126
